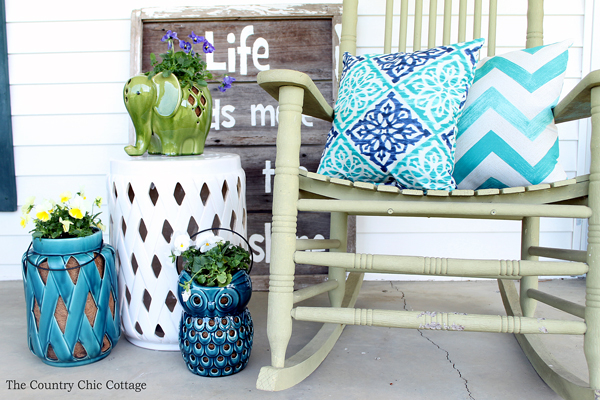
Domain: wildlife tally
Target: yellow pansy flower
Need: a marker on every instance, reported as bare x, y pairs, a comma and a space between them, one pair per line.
78, 207
25, 220
43, 211
65, 196
28, 205
66, 224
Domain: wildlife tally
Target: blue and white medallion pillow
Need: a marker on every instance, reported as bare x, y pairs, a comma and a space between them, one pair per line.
395, 117
506, 135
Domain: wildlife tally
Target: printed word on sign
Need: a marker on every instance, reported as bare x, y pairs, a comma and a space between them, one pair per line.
259, 50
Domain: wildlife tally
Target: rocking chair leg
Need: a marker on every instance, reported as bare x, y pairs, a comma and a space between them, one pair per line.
283, 239
530, 236
338, 230
592, 301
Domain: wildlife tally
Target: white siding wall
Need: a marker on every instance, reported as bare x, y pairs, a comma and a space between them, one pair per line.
68, 61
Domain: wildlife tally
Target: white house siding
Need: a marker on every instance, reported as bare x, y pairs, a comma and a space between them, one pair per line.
69, 59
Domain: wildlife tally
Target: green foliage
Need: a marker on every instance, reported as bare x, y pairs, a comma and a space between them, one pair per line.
71, 217
188, 67
54, 229
216, 266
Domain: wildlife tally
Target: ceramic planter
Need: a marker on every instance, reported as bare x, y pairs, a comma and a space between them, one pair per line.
169, 119
216, 331
71, 300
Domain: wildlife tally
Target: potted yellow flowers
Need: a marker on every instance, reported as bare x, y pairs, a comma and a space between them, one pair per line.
70, 282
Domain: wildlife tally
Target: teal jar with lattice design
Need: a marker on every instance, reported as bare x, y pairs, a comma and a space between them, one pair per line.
71, 300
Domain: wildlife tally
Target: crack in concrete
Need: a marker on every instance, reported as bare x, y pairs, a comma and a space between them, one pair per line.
436, 345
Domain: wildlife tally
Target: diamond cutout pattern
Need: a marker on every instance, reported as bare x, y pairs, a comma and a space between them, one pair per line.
216, 222
79, 350
159, 331
153, 193
171, 301
167, 231
156, 266
143, 230
60, 314
147, 299
134, 264
179, 193
130, 193
99, 261
111, 304
43, 271
225, 190
72, 269
204, 193
105, 344
91, 309
220, 203
233, 221
37, 313
50, 353
192, 226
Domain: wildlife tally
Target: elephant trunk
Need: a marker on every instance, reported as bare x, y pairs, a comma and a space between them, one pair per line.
143, 133
139, 96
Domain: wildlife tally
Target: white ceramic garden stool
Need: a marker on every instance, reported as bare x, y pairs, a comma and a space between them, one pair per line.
152, 197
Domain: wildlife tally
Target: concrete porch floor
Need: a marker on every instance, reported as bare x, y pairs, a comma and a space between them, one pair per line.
366, 362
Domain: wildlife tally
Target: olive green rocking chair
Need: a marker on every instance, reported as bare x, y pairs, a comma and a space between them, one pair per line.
297, 190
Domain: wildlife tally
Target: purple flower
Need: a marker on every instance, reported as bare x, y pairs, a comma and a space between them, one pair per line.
207, 47
186, 46
169, 36
226, 84
196, 39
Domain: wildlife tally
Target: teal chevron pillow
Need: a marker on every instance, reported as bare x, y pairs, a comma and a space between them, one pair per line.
506, 135
396, 114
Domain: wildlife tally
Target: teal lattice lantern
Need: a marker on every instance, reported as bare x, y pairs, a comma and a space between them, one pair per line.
71, 300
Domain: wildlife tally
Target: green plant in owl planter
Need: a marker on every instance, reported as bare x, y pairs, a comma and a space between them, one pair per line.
171, 106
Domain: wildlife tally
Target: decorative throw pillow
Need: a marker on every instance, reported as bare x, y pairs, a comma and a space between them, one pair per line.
396, 114
506, 135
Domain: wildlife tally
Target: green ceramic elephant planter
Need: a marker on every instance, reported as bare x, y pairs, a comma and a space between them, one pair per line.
168, 119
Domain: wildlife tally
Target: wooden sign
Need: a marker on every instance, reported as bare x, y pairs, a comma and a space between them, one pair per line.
248, 40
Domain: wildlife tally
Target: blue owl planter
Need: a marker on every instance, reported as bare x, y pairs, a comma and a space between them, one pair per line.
216, 331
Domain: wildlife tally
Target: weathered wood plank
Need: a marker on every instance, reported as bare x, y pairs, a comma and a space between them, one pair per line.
259, 164
246, 115
305, 44
250, 39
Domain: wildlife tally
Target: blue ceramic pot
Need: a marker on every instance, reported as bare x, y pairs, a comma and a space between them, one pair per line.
216, 330
71, 300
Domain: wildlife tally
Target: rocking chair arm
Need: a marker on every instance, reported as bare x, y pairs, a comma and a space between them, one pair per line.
577, 103
314, 105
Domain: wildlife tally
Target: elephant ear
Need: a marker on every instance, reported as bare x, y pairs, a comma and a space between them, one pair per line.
168, 95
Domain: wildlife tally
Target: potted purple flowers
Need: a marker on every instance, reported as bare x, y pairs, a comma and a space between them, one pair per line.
171, 106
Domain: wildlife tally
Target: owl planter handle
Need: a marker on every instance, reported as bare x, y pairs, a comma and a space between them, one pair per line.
232, 231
